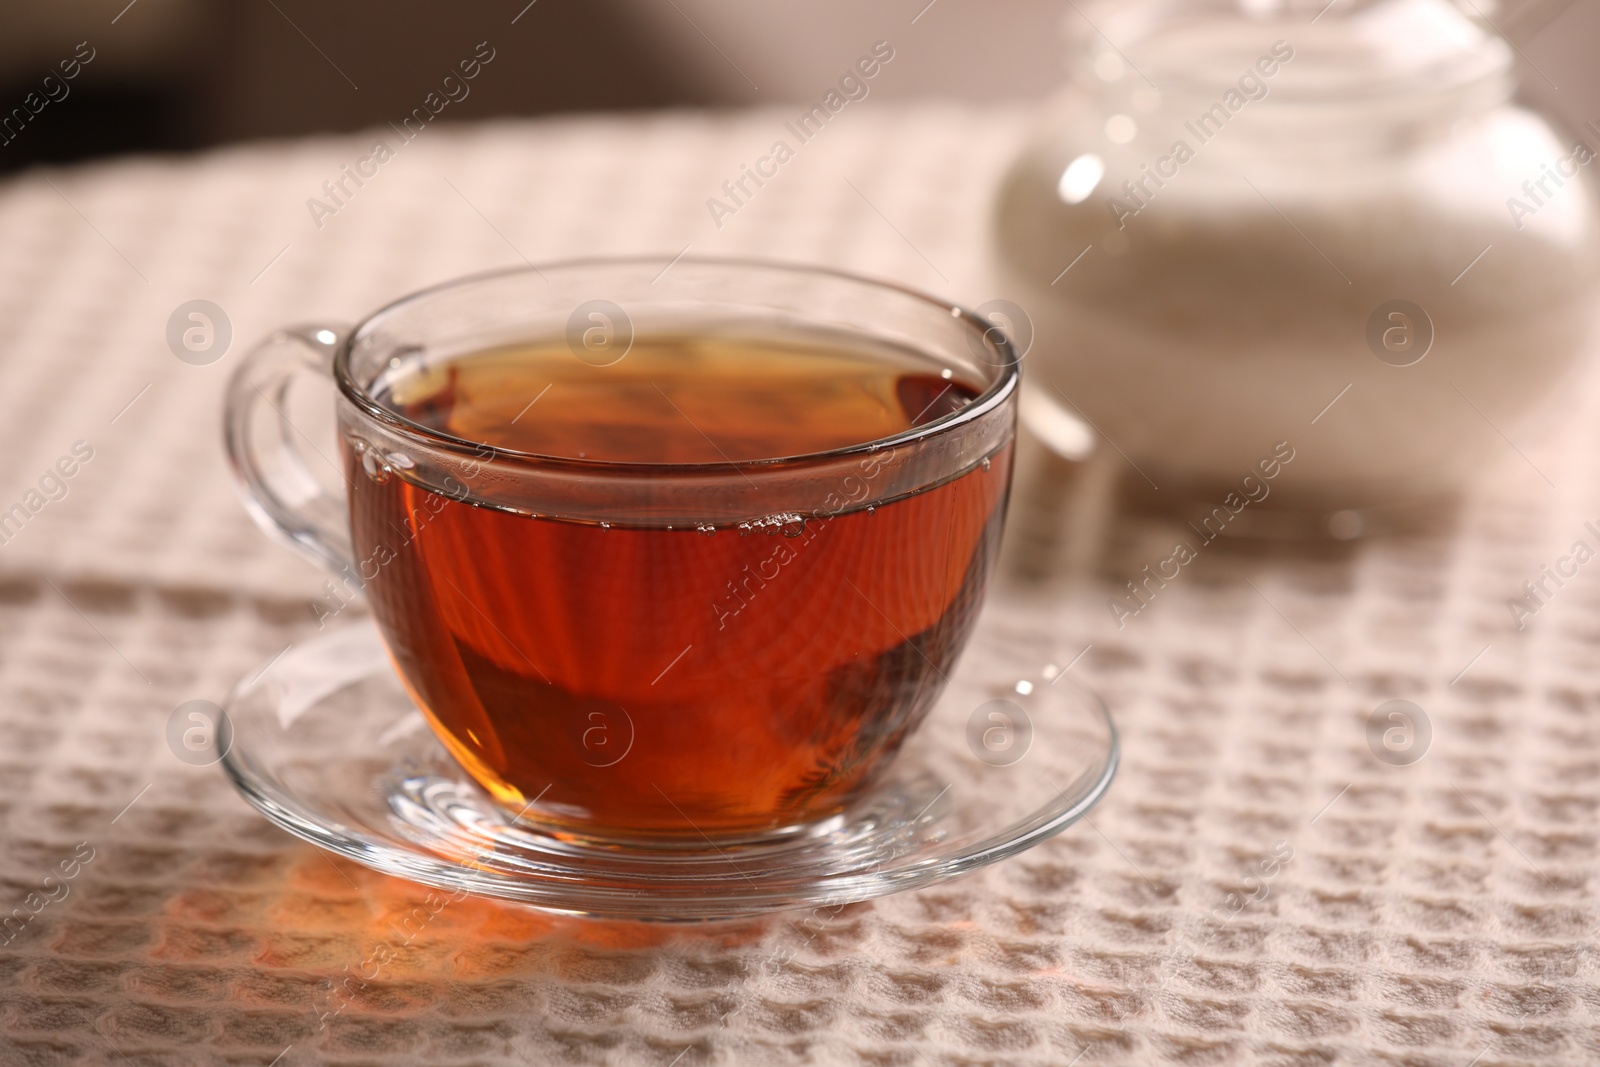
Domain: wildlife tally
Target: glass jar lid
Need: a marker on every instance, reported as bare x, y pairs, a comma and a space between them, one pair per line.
1346, 53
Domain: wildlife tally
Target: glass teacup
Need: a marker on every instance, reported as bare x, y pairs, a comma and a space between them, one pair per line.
663, 551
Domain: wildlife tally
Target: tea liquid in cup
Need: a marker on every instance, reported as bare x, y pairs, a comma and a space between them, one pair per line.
690, 570
672, 676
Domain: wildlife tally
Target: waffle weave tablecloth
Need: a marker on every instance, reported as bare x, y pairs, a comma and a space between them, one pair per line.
1441, 913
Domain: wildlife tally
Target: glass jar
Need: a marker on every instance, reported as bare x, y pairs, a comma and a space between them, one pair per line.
1321, 240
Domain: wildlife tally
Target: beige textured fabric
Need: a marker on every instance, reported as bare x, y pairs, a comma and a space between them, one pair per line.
1441, 913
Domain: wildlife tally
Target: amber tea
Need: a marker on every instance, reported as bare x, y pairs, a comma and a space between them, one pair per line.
688, 677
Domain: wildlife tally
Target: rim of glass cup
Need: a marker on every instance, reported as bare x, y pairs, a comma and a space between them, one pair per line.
993, 395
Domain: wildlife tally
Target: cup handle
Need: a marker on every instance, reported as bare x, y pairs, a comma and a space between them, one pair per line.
267, 452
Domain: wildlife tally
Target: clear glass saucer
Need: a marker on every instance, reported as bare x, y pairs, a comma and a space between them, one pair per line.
327, 744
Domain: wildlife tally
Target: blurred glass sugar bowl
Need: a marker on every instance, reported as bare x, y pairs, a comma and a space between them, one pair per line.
1248, 222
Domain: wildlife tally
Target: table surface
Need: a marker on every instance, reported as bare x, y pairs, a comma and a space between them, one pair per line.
1429, 914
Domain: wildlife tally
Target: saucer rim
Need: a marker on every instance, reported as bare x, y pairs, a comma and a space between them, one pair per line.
416, 863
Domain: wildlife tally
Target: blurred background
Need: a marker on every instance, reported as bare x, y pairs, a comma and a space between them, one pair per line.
186, 74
